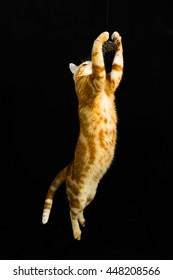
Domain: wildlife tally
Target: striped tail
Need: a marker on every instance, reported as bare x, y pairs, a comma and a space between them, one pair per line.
59, 179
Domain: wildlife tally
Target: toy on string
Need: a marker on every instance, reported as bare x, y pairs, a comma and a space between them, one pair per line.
110, 46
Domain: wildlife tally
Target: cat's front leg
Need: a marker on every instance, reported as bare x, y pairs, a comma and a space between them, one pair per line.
103, 37
118, 58
97, 55
118, 63
118, 41
98, 67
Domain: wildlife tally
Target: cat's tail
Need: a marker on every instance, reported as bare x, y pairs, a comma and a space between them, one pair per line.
59, 179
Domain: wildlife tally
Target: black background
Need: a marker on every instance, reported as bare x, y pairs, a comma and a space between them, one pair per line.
130, 217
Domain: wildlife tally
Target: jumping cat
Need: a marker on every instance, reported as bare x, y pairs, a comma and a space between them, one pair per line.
97, 137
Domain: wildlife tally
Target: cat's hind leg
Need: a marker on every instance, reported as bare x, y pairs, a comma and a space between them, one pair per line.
75, 225
81, 215
81, 219
75, 206
76, 215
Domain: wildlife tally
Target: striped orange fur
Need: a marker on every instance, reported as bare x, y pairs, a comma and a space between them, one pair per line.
97, 138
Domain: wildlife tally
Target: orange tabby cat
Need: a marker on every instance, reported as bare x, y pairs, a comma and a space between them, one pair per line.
97, 138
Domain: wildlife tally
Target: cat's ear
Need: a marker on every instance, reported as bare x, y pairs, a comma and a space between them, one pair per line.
72, 67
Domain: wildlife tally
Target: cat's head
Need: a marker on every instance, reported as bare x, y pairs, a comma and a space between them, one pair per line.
85, 68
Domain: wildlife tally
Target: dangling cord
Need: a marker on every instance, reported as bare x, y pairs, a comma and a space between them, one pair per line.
107, 15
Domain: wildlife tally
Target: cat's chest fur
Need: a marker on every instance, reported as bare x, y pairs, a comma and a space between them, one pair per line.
97, 137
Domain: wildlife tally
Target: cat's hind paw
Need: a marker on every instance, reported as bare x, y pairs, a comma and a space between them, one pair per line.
82, 222
81, 219
77, 235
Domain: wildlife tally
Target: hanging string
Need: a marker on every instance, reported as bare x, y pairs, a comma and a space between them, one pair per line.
109, 46
107, 14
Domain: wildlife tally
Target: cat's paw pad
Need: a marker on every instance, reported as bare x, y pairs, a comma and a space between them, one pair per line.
116, 37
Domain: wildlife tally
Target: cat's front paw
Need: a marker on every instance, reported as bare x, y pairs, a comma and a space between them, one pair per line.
116, 38
103, 37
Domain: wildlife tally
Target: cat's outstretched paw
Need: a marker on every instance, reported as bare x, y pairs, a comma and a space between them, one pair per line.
103, 37
116, 38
